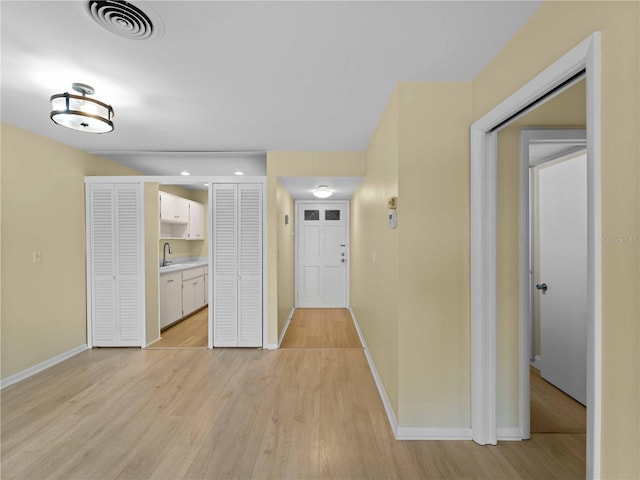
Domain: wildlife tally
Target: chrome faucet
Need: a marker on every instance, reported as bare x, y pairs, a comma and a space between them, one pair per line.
164, 253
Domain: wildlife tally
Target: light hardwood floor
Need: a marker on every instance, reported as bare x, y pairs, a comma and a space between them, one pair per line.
238, 413
192, 332
321, 328
553, 411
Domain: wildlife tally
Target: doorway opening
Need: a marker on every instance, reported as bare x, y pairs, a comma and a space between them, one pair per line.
183, 246
585, 57
555, 164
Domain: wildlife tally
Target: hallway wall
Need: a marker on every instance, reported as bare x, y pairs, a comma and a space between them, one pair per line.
412, 302
286, 255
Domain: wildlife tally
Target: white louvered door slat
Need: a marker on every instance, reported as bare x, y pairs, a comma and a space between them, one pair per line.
102, 244
127, 264
225, 273
250, 265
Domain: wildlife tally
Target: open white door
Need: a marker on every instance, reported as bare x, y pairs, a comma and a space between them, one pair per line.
562, 203
322, 254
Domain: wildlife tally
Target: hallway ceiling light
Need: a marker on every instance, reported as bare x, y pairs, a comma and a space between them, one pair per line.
80, 112
185, 173
323, 191
239, 172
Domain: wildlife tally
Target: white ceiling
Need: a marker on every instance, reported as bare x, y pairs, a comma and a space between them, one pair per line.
241, 76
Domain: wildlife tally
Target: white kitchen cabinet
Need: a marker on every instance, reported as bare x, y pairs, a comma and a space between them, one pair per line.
170, 298
237, 265
206, 285
115, 264
196, 221
193, 296
173, 209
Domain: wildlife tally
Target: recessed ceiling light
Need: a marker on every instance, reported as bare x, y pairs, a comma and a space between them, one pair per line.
184, 173
239, 172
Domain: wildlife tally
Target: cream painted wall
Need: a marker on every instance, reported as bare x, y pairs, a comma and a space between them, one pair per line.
152, 274
433, 227
286, 255
375, 284
44, 311
567, 110
296, 164
553, 30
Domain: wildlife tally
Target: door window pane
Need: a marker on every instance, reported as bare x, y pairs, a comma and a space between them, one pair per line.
332, 214
312, 214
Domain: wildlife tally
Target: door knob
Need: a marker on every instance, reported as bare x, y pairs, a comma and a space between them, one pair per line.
342, 260
542, 286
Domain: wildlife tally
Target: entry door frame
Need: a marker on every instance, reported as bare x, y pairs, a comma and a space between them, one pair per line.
347, 206
572, 141
483, 195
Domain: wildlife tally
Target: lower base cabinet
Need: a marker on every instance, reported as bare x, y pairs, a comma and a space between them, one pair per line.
182, 293
193, 291
170, 298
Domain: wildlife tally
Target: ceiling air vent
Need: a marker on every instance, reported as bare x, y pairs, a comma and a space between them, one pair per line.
123, 19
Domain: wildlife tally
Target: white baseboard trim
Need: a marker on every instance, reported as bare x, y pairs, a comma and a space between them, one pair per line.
5, 382
355, 323
271, 346
418, 433
509, 434
383, 394
286, 326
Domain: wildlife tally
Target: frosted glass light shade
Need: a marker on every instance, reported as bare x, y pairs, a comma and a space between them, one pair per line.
81, 113
322, 192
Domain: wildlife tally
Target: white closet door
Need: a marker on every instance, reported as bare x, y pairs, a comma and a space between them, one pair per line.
250, 265
225, 271
103, 254
115, 262
128, 265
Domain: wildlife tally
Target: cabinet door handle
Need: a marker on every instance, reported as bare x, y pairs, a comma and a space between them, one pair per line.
170, 281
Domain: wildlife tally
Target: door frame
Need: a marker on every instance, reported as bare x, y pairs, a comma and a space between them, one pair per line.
574, 140
347, 205
483, 195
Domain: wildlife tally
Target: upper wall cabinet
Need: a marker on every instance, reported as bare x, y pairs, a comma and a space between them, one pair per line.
173, 209
181, 218
196, 221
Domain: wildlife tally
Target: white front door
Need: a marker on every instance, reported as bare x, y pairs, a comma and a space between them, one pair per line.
562, 203
323, 254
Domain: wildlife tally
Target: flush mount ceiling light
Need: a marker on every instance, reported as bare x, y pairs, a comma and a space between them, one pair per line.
239, 172
80, 112
185, 173
323, 191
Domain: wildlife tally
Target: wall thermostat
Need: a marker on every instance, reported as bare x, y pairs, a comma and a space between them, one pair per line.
392, 219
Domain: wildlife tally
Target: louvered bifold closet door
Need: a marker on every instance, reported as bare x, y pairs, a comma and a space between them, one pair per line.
249, 265
103, 273
225, 270
128, 265
115, 265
